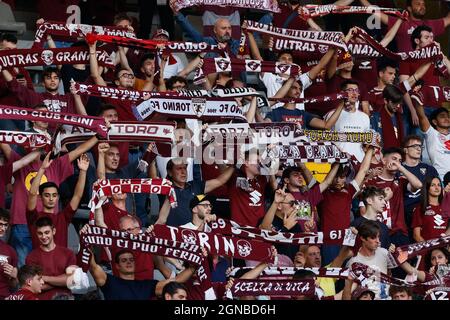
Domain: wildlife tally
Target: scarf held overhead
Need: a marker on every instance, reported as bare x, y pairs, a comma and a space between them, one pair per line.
268, 5
96, 124
47, 57
28, 140
312, 11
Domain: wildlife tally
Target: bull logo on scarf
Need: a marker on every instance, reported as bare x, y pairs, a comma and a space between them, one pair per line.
283, 68
47, 57
323, 48
189, 236
253, 65
244, 248
198, 106
223, 64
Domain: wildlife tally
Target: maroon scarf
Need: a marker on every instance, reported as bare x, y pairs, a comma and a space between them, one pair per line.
46, 57
28, 140
167, 46
96, 124
407, 252
312, 100
268, 5
432, 96
73, 31
318, 152
389, 137
258, 287
218, 244
312, 11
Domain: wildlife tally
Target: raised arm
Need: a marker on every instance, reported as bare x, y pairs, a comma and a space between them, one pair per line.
187, 26
83, 165
97, 272
329, 178
256, 54
163, 213
82, 148
364, 168
212, 184
251, 113
25, 160
34, 189
283, 91
390, 35
279, 197
93, 63
380, 15
424, 123
414, 183
101, 168
321, 65
327, 124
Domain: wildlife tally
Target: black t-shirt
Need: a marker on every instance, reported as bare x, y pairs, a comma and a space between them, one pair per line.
69, 72
119, 289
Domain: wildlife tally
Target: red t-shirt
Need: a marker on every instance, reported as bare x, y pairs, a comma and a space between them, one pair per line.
395, 205
280, 19
376, 99
59, 170
55, 10
334, 210
61, 221
124, 108
431, 77
53, 263
365, 71
403, 37
7, 253
23, 294
433, 221
6, 96
247, 206
5, 176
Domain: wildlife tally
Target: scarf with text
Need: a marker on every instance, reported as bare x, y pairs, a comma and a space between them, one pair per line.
232, 228
204, 108
108, 187
74, 31
97, 236
324, 38
96, 124
259, 287
267, 5
288, 272
317, 152
409, 251
431, 96
28, 140
371, 137
312, 100
47, 57
214, 65
216, 243
120, 131
312, 11
164, 47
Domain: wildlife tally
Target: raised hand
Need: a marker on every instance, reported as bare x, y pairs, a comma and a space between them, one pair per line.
83, 162
47, 162
103, 147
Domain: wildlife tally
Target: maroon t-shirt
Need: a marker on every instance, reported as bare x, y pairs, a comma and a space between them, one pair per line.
5, 177
280, 19
247, 203
376, 99
310, 198
143, 265
431, 77
433, 220
212, 171
6, 96
55, 10
123, 107
53, 263
403, 37
8, 254
395, 203
334, 210
365, 71
61, 221
23, 294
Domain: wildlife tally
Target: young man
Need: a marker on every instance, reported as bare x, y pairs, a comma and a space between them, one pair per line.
373, 256
174, 291
49, 196
437, 137
52, 258
185, 191
412, 155
394, 216
8, 259
375, 201
125, 286
400, 293
31, 283
351, 119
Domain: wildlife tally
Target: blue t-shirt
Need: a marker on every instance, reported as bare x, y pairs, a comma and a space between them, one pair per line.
182, 213
281, 114
421, 171
119, 289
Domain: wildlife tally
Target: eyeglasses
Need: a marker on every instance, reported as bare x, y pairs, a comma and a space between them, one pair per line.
354, 90
127, 75
4, 225
123, 260
417, 146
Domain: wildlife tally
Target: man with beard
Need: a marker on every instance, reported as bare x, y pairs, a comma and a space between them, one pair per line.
222, 34
417, 10
52, 258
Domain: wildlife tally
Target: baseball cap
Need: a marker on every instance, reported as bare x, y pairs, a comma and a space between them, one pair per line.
359, 291
199, 199
161, 32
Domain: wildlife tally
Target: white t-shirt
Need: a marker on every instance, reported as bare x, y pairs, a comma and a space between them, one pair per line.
438, 146
380, 262
356, 121
274, 82
173, 69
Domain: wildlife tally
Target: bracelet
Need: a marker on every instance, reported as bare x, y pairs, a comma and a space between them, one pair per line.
414, 76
